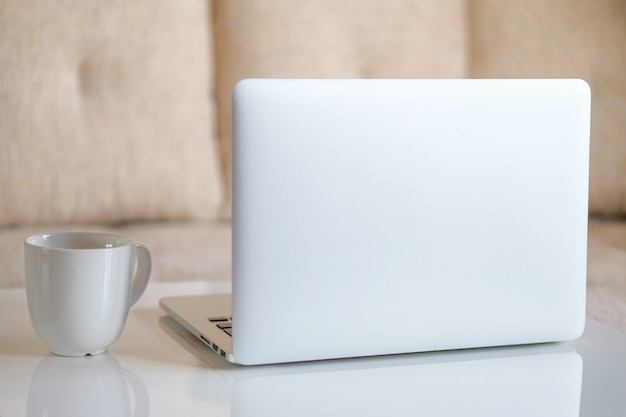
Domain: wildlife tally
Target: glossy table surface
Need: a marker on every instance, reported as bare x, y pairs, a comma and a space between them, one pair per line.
156, 369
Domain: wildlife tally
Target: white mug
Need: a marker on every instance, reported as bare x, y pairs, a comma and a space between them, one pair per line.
80, 286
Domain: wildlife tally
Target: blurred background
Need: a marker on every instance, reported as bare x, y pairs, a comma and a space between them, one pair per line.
114, 111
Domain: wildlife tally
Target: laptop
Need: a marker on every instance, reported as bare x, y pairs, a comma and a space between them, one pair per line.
377, 217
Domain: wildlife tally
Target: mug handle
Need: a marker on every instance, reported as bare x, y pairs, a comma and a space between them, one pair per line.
142, 272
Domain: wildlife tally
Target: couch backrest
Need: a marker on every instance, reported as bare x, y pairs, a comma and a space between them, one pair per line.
440, 39
119, 111
107, 111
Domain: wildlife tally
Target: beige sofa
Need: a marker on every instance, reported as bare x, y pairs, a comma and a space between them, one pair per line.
116, 115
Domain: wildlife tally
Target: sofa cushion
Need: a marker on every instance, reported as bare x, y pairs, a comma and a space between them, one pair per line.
106, 112
606, 282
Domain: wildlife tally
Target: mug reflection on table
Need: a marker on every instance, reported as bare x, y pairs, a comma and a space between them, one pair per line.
87, 386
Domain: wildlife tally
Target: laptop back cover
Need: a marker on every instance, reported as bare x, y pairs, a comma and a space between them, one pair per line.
390, 216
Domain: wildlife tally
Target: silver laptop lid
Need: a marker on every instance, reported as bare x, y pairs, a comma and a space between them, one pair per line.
389, 216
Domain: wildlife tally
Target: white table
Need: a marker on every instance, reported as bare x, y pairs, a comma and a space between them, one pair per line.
156, 369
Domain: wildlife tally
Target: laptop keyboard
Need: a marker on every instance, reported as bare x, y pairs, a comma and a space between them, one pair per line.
224, 323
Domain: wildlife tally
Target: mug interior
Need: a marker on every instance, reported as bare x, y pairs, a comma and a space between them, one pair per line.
78, 240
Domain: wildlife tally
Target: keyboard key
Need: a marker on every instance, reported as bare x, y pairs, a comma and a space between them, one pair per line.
218, 319
224, 325
228, 331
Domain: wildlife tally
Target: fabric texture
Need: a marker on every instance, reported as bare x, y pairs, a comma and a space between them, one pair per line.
106, 112
606, 272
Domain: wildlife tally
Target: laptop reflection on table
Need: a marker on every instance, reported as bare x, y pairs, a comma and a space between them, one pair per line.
536, 380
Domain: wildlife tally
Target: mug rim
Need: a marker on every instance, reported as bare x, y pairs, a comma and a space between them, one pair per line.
80, 241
